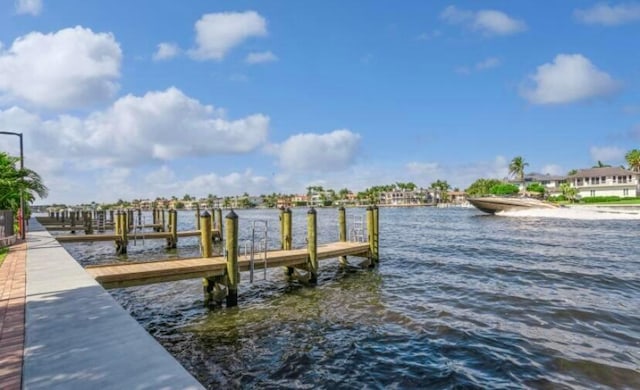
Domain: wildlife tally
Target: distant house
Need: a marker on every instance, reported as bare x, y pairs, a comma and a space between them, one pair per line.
605, 181
550, 182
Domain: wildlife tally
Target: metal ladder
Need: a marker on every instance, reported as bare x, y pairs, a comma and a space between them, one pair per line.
139, 226
256, 245
356, 233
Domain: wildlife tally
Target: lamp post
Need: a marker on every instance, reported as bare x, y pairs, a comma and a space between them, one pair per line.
22, 223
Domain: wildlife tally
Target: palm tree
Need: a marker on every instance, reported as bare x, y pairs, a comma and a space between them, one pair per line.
14, 182
633, 159
569, 192
516, 168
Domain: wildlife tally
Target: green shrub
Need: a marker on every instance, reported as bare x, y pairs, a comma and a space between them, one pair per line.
504, 189
536, 187
600, 199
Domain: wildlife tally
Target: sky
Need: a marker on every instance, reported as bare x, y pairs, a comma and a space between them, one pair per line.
147, 98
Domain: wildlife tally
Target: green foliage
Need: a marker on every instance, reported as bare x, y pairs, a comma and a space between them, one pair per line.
601, 199
536, 187
568, 192
516, 167
633, 159
482, 187
504, 189
557, 198
15, 181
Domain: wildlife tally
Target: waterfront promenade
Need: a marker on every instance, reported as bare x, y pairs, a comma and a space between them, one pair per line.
62, 330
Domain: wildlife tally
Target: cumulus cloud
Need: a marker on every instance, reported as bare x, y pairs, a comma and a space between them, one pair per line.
569, 78
318, 152
218, 33
33, 7
607, 15
158, 126
71, 68
261, 57
487, 22
166, 51
606, 153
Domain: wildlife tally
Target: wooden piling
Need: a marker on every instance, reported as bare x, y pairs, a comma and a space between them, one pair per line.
233, 275
154, 218
371, 235
312, 246
205, 234
220, 226
162, 218
198, 217
88, 224
172, 242
281, 227
121, 243
287, 239
376, 234
342, 230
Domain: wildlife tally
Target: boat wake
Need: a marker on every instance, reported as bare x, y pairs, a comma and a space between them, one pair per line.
574, 213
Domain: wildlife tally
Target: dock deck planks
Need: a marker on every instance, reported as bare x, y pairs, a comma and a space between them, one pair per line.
134, 274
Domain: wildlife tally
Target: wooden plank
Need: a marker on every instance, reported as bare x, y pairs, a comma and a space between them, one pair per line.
87, 237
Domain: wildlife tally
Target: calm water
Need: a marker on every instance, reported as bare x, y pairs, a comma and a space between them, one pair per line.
460, 300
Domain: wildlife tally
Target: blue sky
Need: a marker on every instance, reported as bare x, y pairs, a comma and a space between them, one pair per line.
159, 98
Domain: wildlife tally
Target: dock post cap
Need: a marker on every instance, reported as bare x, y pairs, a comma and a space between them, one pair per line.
232, 215
281, 208
205, 214
369, 207
311, 211
375, 206
341, 208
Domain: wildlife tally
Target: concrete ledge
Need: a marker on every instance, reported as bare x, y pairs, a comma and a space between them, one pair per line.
79, 337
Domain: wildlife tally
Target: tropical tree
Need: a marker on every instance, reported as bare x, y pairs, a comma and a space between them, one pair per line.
441, 187
600, 164
482, 187
516, 168
569, 193
16, 181
633, 159
572, 172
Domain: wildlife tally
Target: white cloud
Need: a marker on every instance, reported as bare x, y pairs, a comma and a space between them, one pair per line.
487, 22
422, 169
607, 15
553, 169
71, 68
32, 7
261, 57
571, 77
318, 152
607, 153
218, 33
166, 51
486, 64
158, 126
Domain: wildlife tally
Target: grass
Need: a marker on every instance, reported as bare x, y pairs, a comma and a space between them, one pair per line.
3, 254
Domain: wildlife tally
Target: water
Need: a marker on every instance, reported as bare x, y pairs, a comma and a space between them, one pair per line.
536, 299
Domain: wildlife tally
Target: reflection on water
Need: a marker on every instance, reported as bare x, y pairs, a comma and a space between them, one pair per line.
461, 299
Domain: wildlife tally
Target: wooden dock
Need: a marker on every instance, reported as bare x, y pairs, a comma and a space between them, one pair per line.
135, 274
131, 236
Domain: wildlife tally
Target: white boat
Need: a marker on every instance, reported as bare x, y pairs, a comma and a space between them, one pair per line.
494, 204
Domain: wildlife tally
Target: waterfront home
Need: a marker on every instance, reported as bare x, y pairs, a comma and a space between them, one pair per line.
605, 181
551, 183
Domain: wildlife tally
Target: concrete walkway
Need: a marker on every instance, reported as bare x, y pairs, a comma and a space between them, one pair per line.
79, 337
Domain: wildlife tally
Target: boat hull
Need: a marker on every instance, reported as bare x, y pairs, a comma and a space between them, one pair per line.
494, 205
